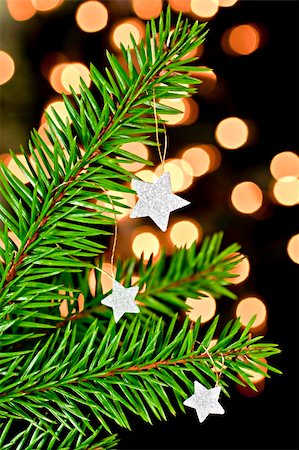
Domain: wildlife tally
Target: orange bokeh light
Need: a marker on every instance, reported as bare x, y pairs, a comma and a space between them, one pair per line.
293, 248
146, 175
247, 308
147, 9
137, 148
227, 3
180, 5
7, 67
14, 168
180, 173
204, 307
71, 74
177, 103
285, 164
55, 77
46, 5
122, 31
247, 197
286, 191
198, 159
242, 269
209, 81
232, 133
146, 243
92, 16
21, 9
204, 8
184, 233
242, 40
60, 109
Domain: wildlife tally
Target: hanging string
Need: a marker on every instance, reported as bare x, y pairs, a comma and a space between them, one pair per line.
162, 157
217, 371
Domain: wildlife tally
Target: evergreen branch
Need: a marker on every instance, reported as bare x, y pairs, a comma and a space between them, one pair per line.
52, 214
133, 367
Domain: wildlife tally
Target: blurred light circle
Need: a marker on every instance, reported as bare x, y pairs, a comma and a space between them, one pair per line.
146, 243
92, 16
122, 31
147, 9
146, 175
180, 173
138, 149
203, 308
50, 61
125, 198
243, 39
242, 269
184, 233
286, 191
5, 158
227, 3
191, 111
21, 9
247, 197
199, 160
293, 248
71, 75
55, 78
60, 109
14, 168
46, 5
180, 5
179, 104
209, 81
285, 164
232, 133
247, 308
204, 8
7, 67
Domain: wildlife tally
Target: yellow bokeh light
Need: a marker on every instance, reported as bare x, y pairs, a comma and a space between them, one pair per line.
204, 307
232, 133
55, 77
199, 160
92, 16
137, 148
21, 9
71, 74
227, 3
285, 164
60, 109
293, 248
204, 8
191, 111
179, 104
247, 197
286, 191
146, 243
125, 198
122, 31
180, 173
247, 308
243, 39
181, 5
14, 168
147, 175
46, 5
184, 233
7, 67
242, 269
147, 9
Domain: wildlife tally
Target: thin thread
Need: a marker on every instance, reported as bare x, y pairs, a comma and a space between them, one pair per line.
217, 371
162, 158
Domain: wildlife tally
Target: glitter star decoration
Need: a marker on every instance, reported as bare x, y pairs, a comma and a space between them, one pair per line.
156, 200
204, 401
121, 300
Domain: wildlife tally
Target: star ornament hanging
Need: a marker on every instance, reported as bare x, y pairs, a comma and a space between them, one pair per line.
121, 300
204, 401
156, 200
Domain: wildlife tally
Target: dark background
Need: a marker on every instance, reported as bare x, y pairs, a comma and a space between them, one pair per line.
261, 87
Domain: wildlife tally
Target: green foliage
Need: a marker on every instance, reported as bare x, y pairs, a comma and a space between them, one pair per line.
60, 377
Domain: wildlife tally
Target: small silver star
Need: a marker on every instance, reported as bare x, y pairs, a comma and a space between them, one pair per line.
121, 300
156, 200
204, 401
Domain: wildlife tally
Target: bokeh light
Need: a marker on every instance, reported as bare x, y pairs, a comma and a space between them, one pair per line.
286, 191
71, 74
55, 78
204, 307
125, 198
180, 173
60, 109
242, 269
191, 111
106, 279
184, 232
241, 40
122, 31
227, 3
92, 16
204, 8
46, 5
14, 168
147, 9
180, 5
247, 197
293, 248
232, 133
209, 81
7, 67
21, 10
147, 175
146, 243
285, 164
198, 159
247, 308
137, 148
258, 379
178, 103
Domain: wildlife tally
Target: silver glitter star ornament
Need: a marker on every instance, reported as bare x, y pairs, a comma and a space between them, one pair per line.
121, 300
204, 401
156, 200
